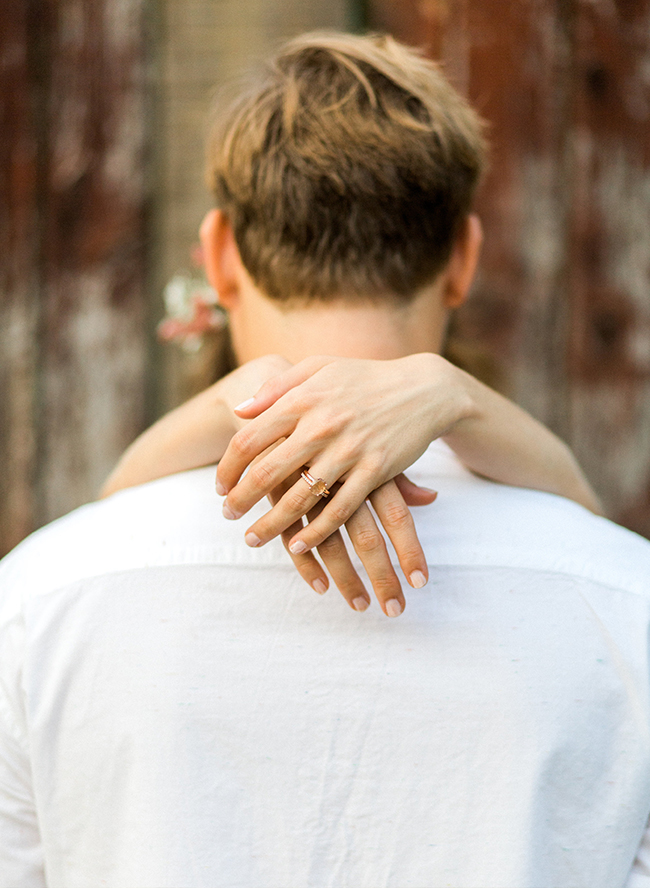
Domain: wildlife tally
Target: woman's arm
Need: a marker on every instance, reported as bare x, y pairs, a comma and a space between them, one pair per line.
197, 434
499, 440
362, 422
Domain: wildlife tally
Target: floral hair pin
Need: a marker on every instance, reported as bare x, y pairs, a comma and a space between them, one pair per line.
191, 309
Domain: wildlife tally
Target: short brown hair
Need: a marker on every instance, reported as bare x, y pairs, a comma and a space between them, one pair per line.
346, 169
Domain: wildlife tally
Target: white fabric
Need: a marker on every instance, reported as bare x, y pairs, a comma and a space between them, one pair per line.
179, 710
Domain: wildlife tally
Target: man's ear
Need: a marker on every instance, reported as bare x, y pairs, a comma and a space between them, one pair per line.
464, 259
221, 257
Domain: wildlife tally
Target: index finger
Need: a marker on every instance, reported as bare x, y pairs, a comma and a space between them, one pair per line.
279, 385
248, 443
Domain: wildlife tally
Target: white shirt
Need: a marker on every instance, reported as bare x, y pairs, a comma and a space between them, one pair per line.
178, 710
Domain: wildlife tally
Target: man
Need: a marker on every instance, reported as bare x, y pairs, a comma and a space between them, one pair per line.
176, 710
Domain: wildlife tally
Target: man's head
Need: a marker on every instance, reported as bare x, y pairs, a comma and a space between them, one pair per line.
345, 173
346, 170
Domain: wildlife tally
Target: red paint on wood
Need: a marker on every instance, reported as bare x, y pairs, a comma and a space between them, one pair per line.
73, 311
18, 278
562, 303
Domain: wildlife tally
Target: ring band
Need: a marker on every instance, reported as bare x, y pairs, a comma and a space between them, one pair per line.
317, 486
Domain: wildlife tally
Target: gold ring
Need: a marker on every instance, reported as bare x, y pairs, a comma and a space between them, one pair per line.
317, 486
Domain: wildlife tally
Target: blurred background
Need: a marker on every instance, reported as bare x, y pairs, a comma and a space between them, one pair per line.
102, 119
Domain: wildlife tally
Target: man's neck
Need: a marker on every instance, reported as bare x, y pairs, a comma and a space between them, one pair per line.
378, 331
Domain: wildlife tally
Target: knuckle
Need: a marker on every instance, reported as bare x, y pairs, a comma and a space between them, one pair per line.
299, 401
323, 430
330, 546
337, 420
262, 476
242, 443
296, 502
354, 449
367, 541
349, 584
397, 515
374, 465
338, 513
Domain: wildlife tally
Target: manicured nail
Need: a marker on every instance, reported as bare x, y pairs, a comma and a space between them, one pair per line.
244, 404
320, 587
360, 603
298, 547
228, 513
252, 540
417, 579
218, 486
393, 608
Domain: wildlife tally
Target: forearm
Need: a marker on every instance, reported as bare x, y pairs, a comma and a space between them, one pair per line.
193, 435
499, 440
366, 421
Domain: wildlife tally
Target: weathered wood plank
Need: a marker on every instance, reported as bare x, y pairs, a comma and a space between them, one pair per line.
93, 335
18, 274
609, 349
74, 331
204, 45
562, 304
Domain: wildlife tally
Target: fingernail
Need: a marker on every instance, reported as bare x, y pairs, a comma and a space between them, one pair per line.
244, 404
252, 539
320, 587
218, 486
298, 547
360, 603
393, 608
417, 579
228, 513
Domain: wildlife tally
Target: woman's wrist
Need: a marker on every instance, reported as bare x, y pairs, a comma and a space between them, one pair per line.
450, 395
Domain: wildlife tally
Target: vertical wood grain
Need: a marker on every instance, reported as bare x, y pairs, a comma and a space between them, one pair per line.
93, 336
73, 310
609, 349
561, 306
20, 102
204, 46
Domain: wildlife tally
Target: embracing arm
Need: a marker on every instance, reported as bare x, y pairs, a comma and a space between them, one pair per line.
499, 440
198, 432
361, 422
195, 434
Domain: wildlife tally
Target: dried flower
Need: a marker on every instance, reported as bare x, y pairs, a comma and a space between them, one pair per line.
191, 311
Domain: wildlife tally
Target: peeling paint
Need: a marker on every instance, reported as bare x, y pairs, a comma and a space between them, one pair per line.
566, 212
622, 193
562, 304
73, 340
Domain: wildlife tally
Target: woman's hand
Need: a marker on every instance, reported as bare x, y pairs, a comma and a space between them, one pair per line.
390, 503
197, 433
362, 422
357, 422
